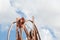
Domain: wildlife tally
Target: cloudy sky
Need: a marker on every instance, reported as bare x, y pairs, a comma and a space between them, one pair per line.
46, 13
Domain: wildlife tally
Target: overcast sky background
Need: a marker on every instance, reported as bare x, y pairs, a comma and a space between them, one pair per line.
46, 13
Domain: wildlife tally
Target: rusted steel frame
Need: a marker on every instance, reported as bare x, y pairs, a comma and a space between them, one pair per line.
35, 28
20, 24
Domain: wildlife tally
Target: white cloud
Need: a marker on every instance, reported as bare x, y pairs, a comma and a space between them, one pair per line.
7, 13
47, 10
45, 35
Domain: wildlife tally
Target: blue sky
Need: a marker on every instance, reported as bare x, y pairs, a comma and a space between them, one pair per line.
46, 13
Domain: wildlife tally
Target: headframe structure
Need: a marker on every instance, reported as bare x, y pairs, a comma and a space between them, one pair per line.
32, 35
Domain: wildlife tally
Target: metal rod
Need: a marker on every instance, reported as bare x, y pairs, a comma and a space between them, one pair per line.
10, 28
